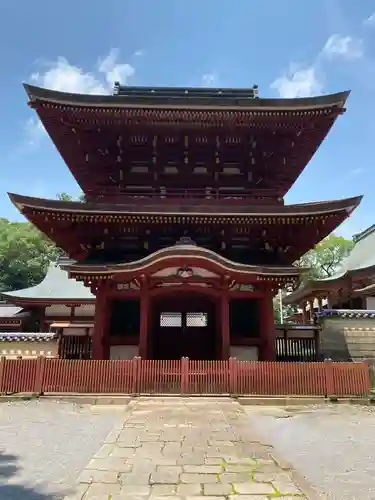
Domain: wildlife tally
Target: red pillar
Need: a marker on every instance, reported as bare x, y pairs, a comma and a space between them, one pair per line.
100, 345
144, 312
225, 326
267, 326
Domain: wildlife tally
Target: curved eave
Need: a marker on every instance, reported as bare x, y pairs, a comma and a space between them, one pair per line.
311, 287
43, 300
38, 94
367, 290
25, 297
331, 283
190, 254
24, 203
54, 288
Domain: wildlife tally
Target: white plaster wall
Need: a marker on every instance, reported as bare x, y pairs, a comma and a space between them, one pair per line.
370, 303
295, 333
123, 351
75, 331
244, 353
85, 310
12, 350
57, 310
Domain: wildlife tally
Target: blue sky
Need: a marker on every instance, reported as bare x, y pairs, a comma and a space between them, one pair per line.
289, 48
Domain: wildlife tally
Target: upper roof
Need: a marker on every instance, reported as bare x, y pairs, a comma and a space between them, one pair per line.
168, 139
56, 286
361, 260
125, 96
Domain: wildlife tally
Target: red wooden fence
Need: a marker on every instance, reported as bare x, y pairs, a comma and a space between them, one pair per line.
139, 376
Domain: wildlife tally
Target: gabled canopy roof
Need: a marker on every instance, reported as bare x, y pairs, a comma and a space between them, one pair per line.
56, 286
360, 261
185, 257
187, 251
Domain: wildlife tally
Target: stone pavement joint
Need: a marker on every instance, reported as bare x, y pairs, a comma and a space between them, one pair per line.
185, 449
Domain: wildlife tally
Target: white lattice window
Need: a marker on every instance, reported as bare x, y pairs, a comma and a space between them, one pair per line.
196, 319
171, 319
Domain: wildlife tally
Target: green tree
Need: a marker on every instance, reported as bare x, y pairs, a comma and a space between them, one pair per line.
24, 255
326, 257
25, 252
288, 310
67, 197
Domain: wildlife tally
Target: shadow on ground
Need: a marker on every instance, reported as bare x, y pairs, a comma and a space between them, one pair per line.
11, 490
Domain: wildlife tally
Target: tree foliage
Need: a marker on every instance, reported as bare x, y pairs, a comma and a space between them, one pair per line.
288, 309
24, 255
25, 252
67, 197
326, 258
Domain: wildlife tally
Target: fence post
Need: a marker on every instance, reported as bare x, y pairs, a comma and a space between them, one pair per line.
2, 374
184, 375
233, 376
136, 373
39, 375
330, 382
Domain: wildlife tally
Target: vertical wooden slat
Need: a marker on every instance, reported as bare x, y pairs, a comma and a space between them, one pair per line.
187, 376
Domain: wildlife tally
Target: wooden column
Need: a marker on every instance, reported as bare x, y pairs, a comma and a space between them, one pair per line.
311, 310
225, 325
144, 320
100, 344
304, 313
267, 328
329, 301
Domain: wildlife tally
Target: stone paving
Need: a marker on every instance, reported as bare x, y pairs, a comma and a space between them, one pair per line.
332, 445
185, 449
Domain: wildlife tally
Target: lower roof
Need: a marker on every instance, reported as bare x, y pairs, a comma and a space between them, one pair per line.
149, 206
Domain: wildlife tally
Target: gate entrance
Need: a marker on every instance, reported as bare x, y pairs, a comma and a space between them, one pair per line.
184, 327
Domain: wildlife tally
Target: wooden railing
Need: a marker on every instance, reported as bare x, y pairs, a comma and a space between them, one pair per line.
137, 376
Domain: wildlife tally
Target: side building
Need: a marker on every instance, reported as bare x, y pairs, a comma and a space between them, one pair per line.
184, 237
343, 305
352, 287
53, 318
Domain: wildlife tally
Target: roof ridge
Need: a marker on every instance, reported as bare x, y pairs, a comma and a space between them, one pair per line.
363, 234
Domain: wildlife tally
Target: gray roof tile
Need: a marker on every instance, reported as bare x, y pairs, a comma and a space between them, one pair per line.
55, 286
26, 336
9, 310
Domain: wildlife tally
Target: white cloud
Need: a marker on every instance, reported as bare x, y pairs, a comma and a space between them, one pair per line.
298, 82
114, 71
63, 76
139, 53
347, 47
307, 81
209, 79
370, 20
34, 130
